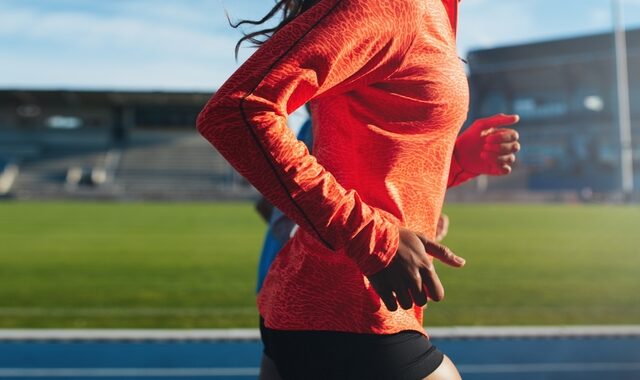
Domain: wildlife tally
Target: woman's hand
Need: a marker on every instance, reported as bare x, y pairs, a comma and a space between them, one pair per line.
443, 228
486, 147
411, 277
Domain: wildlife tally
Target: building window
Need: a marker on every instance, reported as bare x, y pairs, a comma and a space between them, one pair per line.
494, 102
540, 106
165, 116
64, 122
28, 111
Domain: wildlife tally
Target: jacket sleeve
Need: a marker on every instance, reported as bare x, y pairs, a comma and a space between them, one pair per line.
457, 174
335, 45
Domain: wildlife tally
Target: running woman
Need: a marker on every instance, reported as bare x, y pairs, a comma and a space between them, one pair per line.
344, 297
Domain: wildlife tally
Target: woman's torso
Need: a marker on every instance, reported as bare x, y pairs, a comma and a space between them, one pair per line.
391, 141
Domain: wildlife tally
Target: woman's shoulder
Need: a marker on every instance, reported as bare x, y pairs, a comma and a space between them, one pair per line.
381, 9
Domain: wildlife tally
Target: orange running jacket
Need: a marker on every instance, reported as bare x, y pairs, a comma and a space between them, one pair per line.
388, 96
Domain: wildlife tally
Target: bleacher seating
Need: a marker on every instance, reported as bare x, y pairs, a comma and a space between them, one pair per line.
151, 165
44, 176
175, 165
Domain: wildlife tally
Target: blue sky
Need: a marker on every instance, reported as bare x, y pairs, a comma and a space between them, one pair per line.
188, 45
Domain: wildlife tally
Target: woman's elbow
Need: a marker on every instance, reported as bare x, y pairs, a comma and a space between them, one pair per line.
220, 113
210, 120
204, 122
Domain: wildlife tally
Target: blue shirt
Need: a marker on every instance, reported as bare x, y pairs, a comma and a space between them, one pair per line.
280, 227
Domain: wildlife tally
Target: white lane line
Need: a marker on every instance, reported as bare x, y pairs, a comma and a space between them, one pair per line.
128, 372
123, 311
526, 332
492, 332
132, 335
253, 371
548, 367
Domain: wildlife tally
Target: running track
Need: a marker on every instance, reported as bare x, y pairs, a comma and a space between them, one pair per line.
581, 353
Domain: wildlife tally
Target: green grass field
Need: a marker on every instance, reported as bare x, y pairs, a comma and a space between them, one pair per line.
192, 265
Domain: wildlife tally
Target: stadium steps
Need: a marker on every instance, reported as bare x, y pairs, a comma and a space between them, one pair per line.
9, 171
45, 176
175, 165
153, 165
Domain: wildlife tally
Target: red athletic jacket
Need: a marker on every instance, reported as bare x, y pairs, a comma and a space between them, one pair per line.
388, 95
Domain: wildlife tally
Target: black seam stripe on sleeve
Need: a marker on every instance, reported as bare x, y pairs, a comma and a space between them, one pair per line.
462, 169
263, 150
455, 157
455, 177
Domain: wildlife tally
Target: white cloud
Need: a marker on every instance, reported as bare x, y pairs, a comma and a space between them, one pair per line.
491, 23
188, 44
485, 24
632, 12
89, 31
173, 12
600, 18
122, 50
13, 21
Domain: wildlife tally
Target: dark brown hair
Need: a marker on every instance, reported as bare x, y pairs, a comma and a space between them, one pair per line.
289, 9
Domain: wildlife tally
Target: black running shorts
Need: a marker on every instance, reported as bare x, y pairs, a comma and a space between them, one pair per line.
329, 355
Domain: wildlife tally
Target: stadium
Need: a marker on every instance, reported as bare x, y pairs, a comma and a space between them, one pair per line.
128, 245
99, 144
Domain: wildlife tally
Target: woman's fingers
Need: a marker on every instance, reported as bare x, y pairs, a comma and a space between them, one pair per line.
508, 159
403, 297
442, 228
441, 252
428, 272
411, 277
398, 293
499, 120
432, 283
498, 164
503, 170
494, 136
501, 148
417, 289
385, 293
500, 168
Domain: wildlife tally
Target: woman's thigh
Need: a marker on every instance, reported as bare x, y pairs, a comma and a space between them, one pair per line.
268, 370
446, 371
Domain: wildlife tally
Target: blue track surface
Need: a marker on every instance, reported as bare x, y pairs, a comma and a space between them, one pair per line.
478, 359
